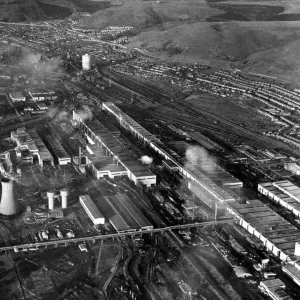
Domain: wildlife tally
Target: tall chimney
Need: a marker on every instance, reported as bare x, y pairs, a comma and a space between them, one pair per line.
9, 205
50, 195
64, 198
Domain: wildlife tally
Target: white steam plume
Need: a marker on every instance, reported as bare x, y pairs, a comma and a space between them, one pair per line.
146, 160
198, 156
85, 113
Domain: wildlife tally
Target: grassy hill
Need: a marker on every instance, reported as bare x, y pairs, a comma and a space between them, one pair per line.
34, 10
148, 14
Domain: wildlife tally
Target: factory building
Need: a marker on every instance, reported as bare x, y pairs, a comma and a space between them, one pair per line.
42, 95
191, 173
91, 209
109, 156
57, 150
122, 213
30, 140
276, 234
284, 193
274, 288
16, 97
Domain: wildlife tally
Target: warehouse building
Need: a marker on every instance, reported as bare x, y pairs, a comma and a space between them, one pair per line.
91, 209
102, 141
284, 193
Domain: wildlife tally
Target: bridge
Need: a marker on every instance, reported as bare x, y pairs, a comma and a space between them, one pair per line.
111, 236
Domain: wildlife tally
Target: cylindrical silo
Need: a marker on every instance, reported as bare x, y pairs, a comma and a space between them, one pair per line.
86, 62
50, 195
64, 198
297, 249
9, 204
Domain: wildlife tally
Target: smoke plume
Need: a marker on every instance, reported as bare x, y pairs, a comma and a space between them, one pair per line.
198, 156
34, 61
146, 160
85, 113
56, 113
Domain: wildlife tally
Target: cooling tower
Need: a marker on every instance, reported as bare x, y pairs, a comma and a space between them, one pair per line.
64, 198
9, 205
50, 196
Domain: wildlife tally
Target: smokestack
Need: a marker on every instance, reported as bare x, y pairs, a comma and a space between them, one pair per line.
9, 205
64, 198
50, 196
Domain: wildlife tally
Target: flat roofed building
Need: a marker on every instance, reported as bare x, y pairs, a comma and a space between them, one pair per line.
16, 96
57, 150
274, 288
113, 216
91, 209
138, 216
293, 272
101, 140
284, 193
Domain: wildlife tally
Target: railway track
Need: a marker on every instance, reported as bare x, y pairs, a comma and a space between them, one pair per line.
155, 96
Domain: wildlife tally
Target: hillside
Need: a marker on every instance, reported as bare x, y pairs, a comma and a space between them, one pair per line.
35, 10
148, 14
226, 41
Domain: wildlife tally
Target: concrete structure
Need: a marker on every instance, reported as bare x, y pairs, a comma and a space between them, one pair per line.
50, 195
9, 205
86, 62
64, 198
285, 193
297, 249
105, 148
91, 209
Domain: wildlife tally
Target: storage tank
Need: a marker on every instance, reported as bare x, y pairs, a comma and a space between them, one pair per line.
50, 195
86, 62
64, 198
297, 249
9, 205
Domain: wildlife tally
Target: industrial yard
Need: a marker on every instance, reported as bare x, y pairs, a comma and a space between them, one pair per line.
126, 177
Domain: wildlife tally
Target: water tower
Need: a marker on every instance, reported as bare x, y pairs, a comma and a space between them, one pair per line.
9, 205
86, 62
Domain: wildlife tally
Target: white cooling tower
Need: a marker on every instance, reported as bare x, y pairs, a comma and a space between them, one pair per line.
64, 198
86, 62
9, 205
50, 195
297, 249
